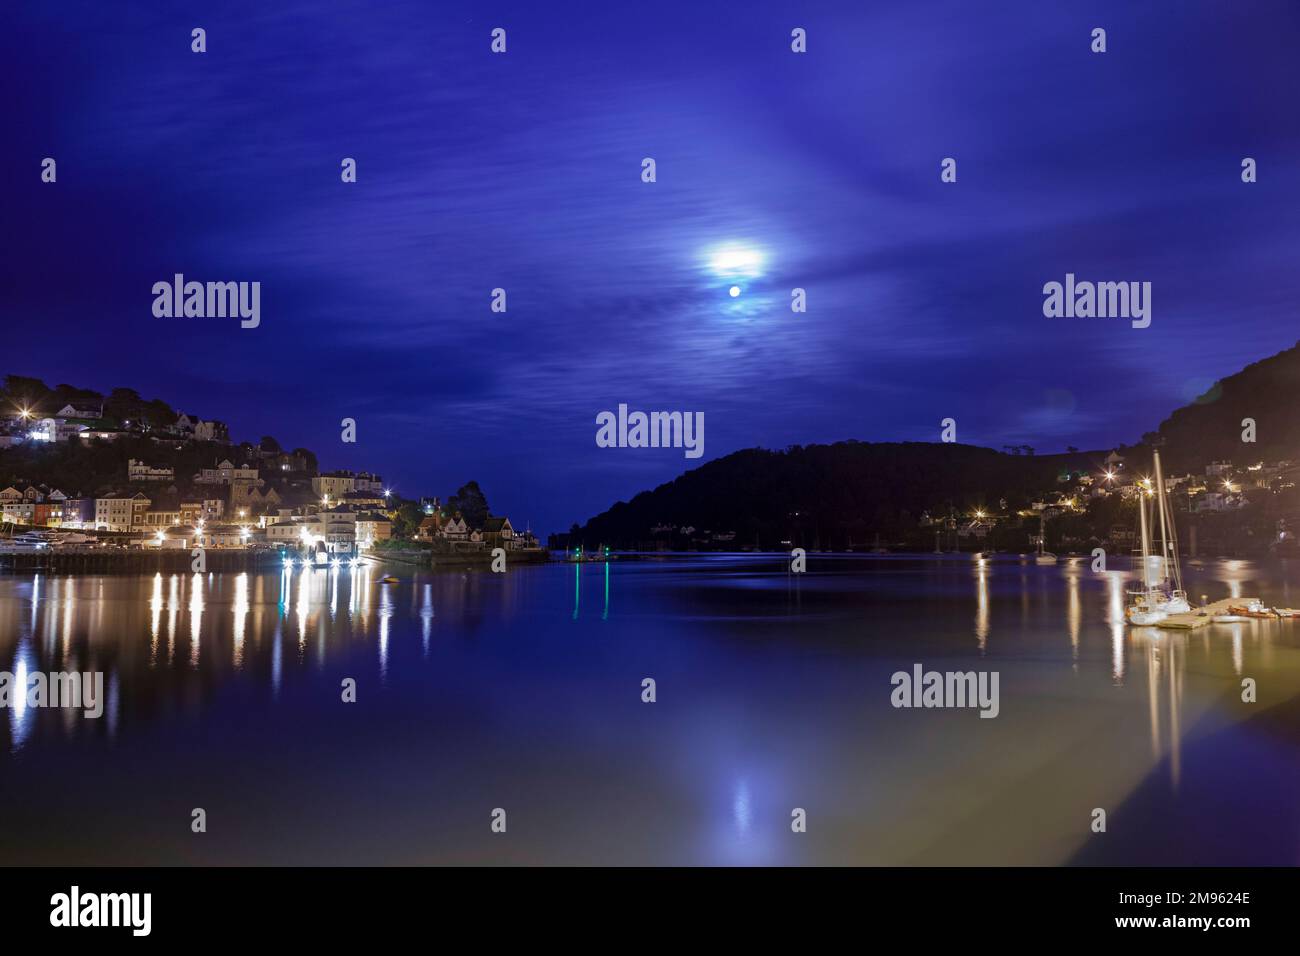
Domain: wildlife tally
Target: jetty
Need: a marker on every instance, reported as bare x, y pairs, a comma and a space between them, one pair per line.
1201, 616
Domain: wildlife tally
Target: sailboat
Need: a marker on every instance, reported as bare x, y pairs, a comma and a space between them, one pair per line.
1162, 592
1043, 557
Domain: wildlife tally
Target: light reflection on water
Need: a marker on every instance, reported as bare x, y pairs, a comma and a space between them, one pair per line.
773, 693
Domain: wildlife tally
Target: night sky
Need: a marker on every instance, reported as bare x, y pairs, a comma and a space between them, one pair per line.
523, 171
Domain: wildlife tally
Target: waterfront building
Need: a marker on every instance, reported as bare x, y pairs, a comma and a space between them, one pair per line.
220, 536
497, 533
48, 514
371, 527
121, 511
163, 512
78, 513
18, 512
454, 529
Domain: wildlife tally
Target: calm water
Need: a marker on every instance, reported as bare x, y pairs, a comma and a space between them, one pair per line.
523, 691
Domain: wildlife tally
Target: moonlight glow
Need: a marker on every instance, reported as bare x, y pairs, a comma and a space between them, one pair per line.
736, 262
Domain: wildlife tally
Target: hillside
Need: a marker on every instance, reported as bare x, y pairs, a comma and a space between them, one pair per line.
847, 493
835, 495
1209, 429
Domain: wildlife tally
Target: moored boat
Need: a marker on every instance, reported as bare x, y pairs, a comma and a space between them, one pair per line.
1162, 591
1253, 609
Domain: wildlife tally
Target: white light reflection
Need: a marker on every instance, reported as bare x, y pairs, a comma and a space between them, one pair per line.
426, 616
240, 611
20, 722
155, 618
1115, 617
173, 610
385, 612
196, 617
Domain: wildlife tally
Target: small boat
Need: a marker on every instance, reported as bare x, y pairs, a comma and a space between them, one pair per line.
1254, 609
1162, 592
1229, 618
1142, 615
1287, 612
1043, 557
27, 541
389, 580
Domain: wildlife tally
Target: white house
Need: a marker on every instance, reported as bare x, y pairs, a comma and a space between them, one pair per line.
76, 410
55, 430
140, 471
454, 529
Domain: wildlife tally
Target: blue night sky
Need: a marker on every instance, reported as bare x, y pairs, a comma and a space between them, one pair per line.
523, 171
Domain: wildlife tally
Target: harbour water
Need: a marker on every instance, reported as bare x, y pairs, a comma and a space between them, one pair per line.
523, 691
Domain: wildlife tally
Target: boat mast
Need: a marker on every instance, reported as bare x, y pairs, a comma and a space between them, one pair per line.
1164, 530
1169, 536
1146, 542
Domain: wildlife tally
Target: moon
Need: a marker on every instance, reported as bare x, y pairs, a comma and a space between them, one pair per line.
734, 291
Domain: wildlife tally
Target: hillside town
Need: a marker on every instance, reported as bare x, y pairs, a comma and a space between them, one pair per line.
1088, 509
240, 496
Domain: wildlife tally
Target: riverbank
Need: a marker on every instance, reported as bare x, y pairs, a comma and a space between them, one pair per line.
477, 560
